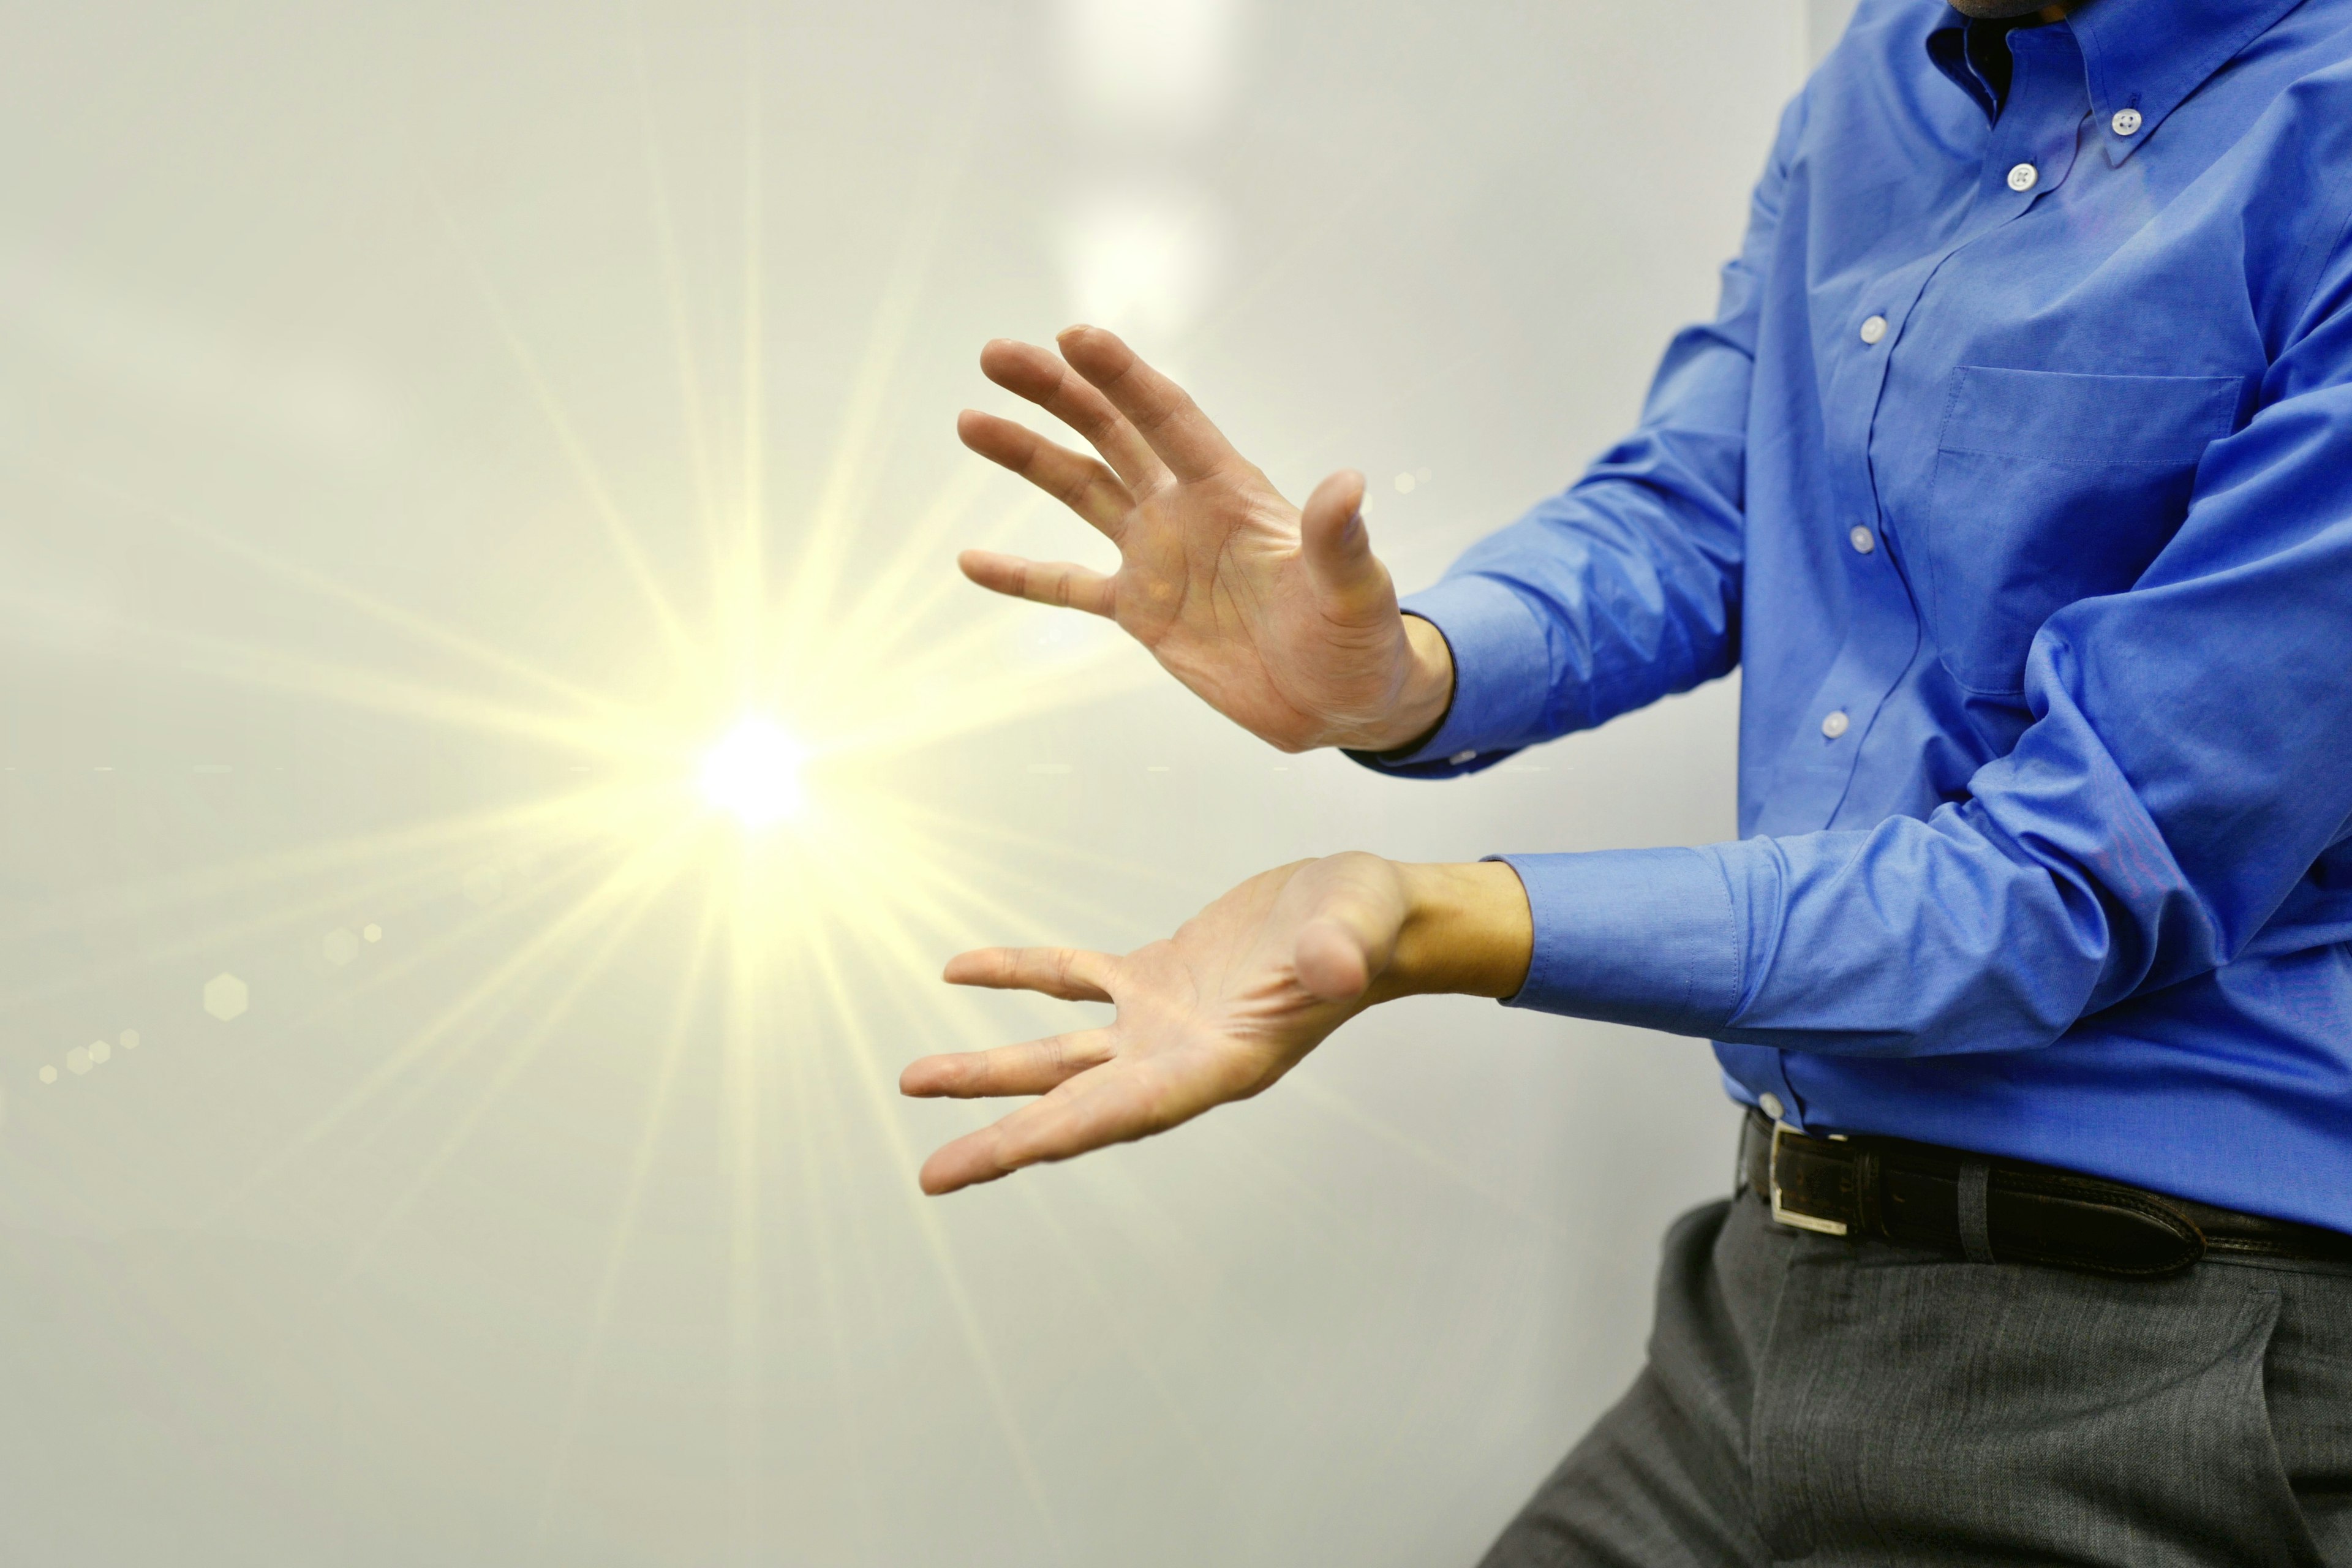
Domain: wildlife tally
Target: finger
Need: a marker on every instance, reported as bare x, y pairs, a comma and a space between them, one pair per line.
1041, 376
1090, 1112
966, 1161
1081, 483
1063, 583
1119, 1104
1073, 973
1337, 546
1159, 410
980, 1156
1030, 1069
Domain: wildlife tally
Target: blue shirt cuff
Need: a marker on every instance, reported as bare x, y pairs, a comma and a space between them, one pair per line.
1502, 678
1648, 937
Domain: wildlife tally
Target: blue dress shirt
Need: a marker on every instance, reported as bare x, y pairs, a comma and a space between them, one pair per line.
2015, 472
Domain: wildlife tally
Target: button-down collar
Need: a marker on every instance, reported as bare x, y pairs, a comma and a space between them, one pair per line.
2142, 55
1958, 48
2105, 448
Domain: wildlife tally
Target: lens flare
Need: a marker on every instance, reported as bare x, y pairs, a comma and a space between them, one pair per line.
753, 773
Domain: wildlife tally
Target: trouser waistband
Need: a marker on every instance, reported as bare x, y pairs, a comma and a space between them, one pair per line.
2002, 1211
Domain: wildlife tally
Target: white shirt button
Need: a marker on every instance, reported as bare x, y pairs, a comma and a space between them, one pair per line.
2024, 178
2127, 122
1873, 329
1769, 1104
1862, 539
1463, 759
1835, 724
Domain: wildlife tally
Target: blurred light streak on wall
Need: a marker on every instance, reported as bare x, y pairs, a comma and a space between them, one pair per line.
1151, 68
1145, 81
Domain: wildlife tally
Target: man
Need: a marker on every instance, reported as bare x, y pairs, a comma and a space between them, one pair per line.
2016, 474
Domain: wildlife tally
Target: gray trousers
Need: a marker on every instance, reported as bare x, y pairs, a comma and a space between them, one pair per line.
1810, 1399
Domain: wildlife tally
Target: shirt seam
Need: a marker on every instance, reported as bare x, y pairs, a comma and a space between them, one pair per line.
2080, 462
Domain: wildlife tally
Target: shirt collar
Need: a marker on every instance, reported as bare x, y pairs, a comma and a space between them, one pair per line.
1956, 47
2144, 55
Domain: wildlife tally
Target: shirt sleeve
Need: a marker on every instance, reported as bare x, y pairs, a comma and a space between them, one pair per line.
2186, 777
1624, 587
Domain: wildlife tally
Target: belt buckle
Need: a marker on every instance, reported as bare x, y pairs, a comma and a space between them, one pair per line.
1781, 1214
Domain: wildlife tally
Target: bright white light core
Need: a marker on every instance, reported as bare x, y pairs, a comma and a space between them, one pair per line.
755, 773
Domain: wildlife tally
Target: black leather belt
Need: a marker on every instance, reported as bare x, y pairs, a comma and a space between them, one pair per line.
2003, 1211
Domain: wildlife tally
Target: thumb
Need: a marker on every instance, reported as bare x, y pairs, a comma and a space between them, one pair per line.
1337, 546
1331, 961
1349, 941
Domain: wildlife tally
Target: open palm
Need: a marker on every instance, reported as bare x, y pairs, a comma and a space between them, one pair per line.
1283, 620
1216, 1013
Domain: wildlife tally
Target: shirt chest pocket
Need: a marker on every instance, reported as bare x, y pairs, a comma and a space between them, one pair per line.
2051, 488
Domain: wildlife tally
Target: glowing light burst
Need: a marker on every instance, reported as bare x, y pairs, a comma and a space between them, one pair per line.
816, 658
805, 676
755, 773
823, 666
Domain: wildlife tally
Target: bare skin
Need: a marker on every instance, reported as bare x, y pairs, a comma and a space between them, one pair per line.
1279, 616
1223, 1008
2002, 10
1283, 619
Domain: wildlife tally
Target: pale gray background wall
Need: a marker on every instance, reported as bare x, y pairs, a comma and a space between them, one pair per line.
440, 1251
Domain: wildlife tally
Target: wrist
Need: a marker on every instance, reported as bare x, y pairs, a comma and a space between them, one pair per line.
1467, 929
1424, 694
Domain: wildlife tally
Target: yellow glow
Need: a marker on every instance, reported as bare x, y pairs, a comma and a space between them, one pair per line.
809, 969
753, 773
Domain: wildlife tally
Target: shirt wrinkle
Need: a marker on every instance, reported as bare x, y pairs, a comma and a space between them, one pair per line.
2034, 545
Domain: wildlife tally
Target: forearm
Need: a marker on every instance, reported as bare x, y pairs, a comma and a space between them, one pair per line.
1467, 930
1627, 586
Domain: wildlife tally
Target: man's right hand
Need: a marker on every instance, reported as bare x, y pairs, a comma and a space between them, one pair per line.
1282, 620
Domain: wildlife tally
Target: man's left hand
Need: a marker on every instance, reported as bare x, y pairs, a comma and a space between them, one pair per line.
1233, 1001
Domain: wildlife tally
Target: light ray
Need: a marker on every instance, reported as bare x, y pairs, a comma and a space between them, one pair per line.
861, 1056
859, 649
617, 531
687, 1001
259, 665
847, 1414
1333, 1103
490, 989
739, 622
855, 451
417, 627
1075, 1258
502, 911
462, 1031
316, 858
690, 382
647, 884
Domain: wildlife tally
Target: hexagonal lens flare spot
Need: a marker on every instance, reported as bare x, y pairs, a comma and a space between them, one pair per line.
225, 996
